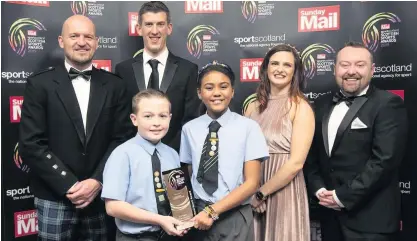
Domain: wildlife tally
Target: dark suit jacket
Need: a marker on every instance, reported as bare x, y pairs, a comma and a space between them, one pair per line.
179, 82
363, 166
52, 140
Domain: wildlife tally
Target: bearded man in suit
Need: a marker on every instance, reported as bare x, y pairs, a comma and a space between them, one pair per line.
353, 165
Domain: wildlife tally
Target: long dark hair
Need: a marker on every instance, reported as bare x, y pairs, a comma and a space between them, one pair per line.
214, 66
298, 81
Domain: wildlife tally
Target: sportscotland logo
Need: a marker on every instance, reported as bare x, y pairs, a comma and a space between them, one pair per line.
18, 161
23, 35
320, 63
372, 37
249, 10
79, 7
200, 41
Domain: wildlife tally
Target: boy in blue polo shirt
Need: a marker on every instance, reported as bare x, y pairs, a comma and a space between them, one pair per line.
132, 184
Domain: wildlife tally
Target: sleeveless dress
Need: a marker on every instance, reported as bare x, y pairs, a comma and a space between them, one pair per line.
287, 213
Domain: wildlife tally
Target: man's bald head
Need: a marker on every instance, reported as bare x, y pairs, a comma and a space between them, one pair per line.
77, 19
79, 41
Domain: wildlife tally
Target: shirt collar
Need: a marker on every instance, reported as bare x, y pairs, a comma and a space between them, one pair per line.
147, 145
68, 67
223, 120
162, 57
364, 91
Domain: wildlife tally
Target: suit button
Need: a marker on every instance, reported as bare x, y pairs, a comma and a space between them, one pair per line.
332, 170
83, 154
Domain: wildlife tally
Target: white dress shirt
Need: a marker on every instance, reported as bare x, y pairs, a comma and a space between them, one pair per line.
336, 117
147, 69
82, 91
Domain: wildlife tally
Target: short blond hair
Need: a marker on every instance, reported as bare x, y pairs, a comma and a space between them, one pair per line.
147, 94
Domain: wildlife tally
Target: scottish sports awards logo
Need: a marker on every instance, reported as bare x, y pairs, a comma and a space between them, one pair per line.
373, 37
79, 7
18, 160
251, 10
90, 8
200, 40
137, 52
23, 36
317, 59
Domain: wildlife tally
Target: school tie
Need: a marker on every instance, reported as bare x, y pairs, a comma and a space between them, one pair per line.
160, 195
73, 73
208, 170
154, 78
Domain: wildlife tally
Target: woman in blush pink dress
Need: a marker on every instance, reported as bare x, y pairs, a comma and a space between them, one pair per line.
287, 121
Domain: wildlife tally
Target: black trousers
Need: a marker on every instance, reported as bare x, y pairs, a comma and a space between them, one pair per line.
333, 230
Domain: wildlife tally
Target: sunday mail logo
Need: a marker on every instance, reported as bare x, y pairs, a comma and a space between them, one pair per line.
103, 64
133, 19
249, 69
326, 18
16, 103
32, 3
198, 6
25, 223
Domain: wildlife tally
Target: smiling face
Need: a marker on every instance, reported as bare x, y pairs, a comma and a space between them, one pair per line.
154, 29
152, 118
216, 92
281, 69
79, 41
354, 70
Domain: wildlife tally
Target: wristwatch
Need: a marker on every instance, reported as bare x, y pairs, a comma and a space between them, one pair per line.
260, 196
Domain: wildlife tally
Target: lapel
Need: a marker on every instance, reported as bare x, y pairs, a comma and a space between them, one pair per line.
325, 127
66, 94
353, 110
96, 100
170, 68
138, 72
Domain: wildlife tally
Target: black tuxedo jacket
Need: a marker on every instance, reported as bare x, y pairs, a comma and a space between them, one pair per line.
179, 82
364, 163
52, 140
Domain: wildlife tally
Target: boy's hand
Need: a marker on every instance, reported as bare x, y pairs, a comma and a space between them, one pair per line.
202, 221
168, 224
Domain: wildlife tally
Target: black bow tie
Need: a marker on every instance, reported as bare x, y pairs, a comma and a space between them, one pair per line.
340, 97
73, 73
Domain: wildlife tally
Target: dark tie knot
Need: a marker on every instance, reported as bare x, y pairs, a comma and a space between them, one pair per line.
73, 73
154, 63
340, 97
214, 126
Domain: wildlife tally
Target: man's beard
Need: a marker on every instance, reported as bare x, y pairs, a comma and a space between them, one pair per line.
80, 61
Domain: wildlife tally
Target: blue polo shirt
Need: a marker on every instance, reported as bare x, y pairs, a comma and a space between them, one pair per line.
240, 140
128, 177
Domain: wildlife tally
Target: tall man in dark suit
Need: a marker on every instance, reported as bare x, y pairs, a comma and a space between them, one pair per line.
358, 146
158, 68
73, 117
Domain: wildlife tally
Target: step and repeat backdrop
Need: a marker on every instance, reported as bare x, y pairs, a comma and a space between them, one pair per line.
237, 33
